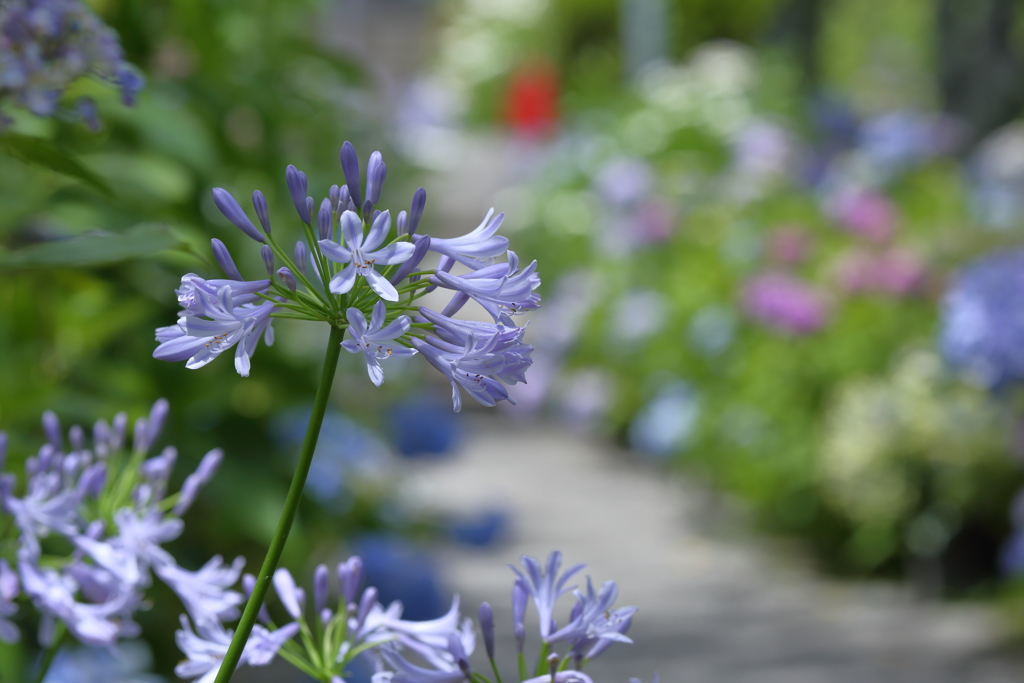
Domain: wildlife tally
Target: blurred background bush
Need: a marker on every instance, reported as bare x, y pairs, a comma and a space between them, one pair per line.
764, 227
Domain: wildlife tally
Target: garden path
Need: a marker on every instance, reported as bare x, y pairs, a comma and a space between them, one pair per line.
716, 605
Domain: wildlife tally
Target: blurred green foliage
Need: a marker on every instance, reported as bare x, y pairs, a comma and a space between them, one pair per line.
96, 231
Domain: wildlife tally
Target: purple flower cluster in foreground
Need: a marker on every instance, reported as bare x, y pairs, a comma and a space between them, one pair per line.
111, 502
337, 630
359, 271
45, 45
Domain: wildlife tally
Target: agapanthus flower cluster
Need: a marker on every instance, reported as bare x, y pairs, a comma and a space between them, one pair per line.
592, 626
110, 504
45, 45
361, 271
333, 632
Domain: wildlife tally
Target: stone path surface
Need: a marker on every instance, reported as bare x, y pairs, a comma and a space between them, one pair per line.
714, 607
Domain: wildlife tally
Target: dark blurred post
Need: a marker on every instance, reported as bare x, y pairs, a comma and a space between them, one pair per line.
980, 73
799, 23
644, 31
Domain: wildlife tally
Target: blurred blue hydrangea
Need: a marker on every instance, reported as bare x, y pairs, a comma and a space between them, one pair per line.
982, 328
46, 45
667, 423
423, 427
400, 571
345, 450
128, 663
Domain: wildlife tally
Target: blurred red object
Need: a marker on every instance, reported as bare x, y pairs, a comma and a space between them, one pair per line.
531, 102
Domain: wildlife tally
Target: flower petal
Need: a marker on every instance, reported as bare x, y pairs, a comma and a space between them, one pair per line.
356, 323
378, 231
343, 280
379, 284
399, 252
335, 252
352, 229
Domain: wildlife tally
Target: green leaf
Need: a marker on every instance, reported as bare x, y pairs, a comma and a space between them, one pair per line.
94, 249
40, 152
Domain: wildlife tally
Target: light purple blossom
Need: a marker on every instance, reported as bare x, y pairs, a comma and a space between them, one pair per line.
475, 249
292, 597
213, 324
372, 340
502, 289
195, 481
545, 587
364, 253
53, 595
206, 593
205, 648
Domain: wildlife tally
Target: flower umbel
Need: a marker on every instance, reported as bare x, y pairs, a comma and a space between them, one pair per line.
356, 272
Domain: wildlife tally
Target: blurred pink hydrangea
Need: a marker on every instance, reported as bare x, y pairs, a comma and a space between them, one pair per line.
788, 245
897, 271
865, 213
785, 303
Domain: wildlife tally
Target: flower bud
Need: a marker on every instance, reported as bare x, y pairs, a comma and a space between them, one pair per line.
350, 573
268, 259
487, 628
51, 428
286, 276
224, 260
259, 202
301, 253
334, 195
402, 223
376, 171
233, 212
296, 181
157, 418
419, 202
320, 587
119, 428
76, 435
350, 167
324, 220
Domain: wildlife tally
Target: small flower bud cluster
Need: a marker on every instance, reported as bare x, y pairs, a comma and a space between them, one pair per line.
45, 45
111, 502
356, 272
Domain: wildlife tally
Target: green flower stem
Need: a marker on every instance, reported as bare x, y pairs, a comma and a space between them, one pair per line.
51, 652
291, 505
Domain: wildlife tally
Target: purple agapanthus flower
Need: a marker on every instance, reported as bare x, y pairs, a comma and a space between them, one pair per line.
95, 590
475, 249
46, 45
212, 324
502, 289
205, 648
363, 255
373, 340
546, 587
352, 271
